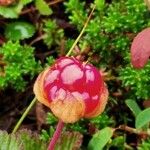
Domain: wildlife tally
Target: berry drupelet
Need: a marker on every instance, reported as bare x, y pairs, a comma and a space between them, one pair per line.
72, 90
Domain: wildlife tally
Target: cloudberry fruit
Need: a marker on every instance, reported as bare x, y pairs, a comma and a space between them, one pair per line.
140, 49
72, 90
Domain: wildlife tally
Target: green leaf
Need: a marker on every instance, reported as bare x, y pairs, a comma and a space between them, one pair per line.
134, 107
13, 11
21, 140
30, 140
119, 142
6, 141
25, 2
143, 118
19, 31
100, 139
43, 7
69, 141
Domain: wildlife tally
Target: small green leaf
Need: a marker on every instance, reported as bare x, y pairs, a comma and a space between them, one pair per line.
100, 139
43, 7
134, 107
19, 31
8, 142
11, 11
143, 118
21, 140
25, 2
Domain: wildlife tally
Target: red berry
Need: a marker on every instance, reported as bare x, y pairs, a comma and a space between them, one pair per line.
72, 90
140, 49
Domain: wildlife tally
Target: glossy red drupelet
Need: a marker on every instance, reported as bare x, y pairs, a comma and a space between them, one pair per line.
72, 90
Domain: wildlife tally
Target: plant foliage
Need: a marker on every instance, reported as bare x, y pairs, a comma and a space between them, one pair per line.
19, 62
47, 30
43, 8
100, 139
19, 31
13, 11
52, 33
23, 139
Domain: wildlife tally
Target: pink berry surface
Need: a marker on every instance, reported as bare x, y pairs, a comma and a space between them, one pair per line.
72, 90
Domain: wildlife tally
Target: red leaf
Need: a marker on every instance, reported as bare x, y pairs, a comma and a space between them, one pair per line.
140, 49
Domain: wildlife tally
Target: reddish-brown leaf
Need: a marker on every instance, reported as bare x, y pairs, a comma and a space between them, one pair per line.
6, 2
140, 49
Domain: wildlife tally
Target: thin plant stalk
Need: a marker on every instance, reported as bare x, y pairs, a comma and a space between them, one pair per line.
24, 115
56, 135
82, 31
68, 54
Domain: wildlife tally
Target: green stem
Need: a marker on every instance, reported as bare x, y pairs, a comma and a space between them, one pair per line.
24, 115
82, 31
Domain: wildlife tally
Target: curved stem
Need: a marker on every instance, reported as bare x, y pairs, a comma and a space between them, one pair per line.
56, 135
82, 31
24, 115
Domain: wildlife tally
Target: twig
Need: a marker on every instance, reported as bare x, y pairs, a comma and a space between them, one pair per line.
133, 130
37, 39
24, 115
82, 31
